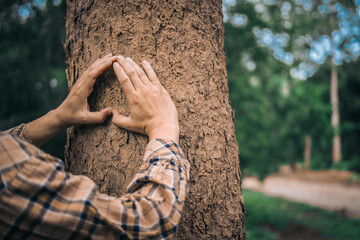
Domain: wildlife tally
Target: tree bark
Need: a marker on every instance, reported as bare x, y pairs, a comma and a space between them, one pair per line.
335, 117
307, 152
184, 41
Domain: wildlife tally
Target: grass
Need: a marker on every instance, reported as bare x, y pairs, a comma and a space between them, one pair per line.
268, 216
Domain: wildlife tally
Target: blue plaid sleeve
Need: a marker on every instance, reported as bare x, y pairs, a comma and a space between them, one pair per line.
40, 200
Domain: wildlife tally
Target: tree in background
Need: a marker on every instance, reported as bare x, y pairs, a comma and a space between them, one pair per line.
292, 32
184, 41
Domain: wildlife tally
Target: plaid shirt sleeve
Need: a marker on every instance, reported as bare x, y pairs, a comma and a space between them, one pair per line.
39, 200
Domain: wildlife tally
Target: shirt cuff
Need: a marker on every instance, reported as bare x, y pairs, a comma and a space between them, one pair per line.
162, 158
20, 132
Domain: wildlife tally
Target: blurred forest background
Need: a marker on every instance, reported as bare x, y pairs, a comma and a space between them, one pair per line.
280, 55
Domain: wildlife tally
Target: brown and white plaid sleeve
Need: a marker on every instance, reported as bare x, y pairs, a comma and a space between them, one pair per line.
39, 200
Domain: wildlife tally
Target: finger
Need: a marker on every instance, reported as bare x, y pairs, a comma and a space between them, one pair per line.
124, 80
100, 66
108, 55
139, 71
150, 73
95, 70
131, 72
97, 117
121, 121
99, 59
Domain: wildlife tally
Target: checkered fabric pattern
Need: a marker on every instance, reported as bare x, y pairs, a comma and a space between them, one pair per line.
39, 200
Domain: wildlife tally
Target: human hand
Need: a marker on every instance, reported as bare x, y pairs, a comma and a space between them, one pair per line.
75, 108
152, 112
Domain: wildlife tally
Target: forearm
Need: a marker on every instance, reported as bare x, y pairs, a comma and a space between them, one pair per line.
44, 128
151, 209
157, 193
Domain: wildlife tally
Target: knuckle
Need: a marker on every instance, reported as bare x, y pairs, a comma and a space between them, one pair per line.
124, 79
142, 92
153, 91
132, 72
142, 74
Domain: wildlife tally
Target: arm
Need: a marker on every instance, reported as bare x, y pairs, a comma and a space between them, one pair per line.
154, 204
65, 206
74, 110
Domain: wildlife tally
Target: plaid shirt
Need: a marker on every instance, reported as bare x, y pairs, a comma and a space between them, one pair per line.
39, 200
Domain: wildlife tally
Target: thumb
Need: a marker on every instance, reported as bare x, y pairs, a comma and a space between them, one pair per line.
98, 117
121, 120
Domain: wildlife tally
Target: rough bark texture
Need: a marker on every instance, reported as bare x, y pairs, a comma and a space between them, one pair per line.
184, 41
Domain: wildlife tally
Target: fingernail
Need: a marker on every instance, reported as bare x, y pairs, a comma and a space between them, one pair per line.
129, 58
120, 57
109, 54
145, 62
116, 65
107, 63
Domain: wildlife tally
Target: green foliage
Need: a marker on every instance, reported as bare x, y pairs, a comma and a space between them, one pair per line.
346, 165
355, 177
350, 113
274, 111
265, 213
31, 58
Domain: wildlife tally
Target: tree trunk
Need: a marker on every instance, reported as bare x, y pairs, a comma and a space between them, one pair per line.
335, 117
307, 152
292, 161
184, 41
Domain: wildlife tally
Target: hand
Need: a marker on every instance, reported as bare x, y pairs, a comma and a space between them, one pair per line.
75, 109
152, 112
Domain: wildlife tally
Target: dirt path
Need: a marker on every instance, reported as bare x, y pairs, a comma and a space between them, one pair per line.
325, 189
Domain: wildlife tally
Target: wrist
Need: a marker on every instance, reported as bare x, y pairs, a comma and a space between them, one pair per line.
170, 132
57, 120
42, 129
